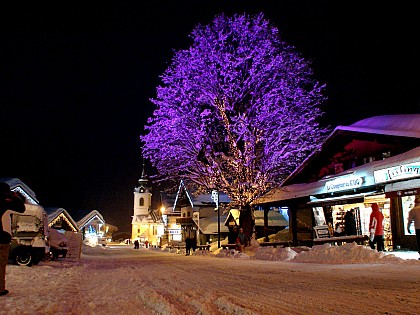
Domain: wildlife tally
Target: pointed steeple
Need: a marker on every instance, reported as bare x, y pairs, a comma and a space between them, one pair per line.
143, 182
143, 179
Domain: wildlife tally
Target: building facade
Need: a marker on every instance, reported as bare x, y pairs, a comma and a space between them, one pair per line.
375, 160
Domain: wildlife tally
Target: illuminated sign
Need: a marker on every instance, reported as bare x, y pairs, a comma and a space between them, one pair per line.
397, 172
343, 183
172, 232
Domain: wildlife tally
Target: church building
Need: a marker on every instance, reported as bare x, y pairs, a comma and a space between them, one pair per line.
147, 224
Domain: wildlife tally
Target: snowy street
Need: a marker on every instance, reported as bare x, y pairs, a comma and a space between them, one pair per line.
121, 280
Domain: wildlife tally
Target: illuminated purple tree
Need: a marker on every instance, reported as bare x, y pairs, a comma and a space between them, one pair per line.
237, 111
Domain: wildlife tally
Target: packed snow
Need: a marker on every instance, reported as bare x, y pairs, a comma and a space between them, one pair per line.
118, 279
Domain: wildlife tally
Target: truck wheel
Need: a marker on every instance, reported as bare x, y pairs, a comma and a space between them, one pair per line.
24, 258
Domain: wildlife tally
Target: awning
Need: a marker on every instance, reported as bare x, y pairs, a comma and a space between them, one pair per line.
403, 188
341, 199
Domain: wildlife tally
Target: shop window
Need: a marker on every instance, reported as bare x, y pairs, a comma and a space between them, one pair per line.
386, 155
319, 216
407, 204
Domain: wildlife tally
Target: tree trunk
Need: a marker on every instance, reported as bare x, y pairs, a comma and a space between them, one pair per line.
247, 221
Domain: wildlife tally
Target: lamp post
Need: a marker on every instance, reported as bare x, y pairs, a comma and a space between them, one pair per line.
165, 225
215, 197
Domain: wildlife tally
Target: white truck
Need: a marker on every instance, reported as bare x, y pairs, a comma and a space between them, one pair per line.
29, 232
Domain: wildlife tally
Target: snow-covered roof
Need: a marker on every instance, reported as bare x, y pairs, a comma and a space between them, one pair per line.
403, 125
16, 184
89, 217
53, 213
234, 214
209, 225
142, 219
203, 199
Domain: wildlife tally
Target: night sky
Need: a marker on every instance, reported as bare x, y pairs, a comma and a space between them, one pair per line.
76, 79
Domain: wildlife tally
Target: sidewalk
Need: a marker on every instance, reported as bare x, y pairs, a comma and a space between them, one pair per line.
404, 254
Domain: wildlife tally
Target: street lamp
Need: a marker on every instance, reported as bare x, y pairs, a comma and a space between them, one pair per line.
165, 224
215, 197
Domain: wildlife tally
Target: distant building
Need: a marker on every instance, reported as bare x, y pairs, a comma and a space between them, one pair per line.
60, 219
147, 223
93, 226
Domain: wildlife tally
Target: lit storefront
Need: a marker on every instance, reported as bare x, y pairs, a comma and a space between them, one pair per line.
358, 165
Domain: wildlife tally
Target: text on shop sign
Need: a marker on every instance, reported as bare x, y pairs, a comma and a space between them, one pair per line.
397, 172
343, 183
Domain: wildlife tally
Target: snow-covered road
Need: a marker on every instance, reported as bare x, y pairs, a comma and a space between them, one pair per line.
121, 280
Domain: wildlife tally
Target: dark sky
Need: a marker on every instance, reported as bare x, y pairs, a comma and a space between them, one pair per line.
76, 79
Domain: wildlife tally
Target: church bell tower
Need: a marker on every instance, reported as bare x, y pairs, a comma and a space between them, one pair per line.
142, 197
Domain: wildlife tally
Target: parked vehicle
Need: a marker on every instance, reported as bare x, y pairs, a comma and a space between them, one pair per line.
102, 241
58, 244
29, 230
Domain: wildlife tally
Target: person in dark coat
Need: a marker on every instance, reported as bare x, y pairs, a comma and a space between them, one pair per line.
9, 200
193, 244
187, 246
241, 240
350, 223
233, 234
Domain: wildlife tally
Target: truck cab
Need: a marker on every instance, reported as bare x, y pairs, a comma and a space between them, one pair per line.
29, 230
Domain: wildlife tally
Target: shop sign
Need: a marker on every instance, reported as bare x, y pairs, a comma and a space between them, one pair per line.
215, 197
172, 232
397, 172
343, 183
322, 231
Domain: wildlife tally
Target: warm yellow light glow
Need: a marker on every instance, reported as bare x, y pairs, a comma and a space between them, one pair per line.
162, 209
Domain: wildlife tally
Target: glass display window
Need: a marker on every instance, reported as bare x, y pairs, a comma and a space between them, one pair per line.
407, 204
319, 216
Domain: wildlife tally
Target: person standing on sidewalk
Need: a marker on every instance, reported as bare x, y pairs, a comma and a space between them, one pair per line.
241, 240
9, 200
414, 216
376, 225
